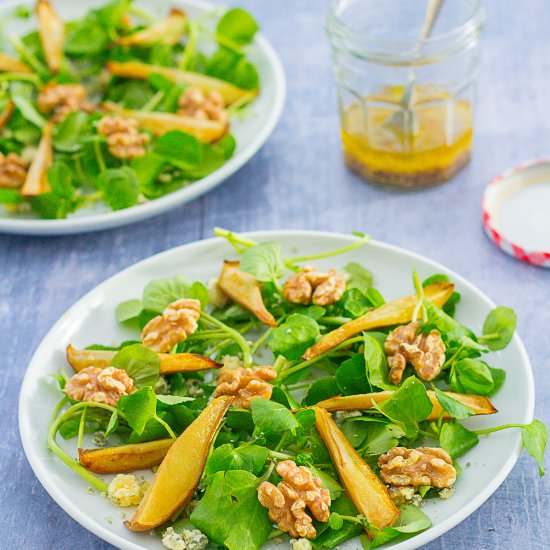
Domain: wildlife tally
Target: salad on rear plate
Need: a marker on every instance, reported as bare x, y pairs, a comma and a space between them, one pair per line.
280, 400
118, 107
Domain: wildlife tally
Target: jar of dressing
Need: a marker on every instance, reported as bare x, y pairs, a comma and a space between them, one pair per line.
406, 105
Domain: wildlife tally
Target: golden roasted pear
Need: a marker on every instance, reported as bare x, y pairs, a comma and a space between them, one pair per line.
36, 182
51, 29
167, 30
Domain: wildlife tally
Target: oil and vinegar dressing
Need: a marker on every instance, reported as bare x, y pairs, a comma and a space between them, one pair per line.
428, 151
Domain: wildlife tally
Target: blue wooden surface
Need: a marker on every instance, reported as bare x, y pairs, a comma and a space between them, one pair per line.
298, 181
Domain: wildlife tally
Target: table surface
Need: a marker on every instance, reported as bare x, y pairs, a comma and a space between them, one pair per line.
298, 181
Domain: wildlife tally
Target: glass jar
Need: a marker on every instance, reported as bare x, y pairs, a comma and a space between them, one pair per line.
406, 105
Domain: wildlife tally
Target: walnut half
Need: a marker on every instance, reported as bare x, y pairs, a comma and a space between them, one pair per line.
310, 285
124, 141
288, 500
423, 466
13, 171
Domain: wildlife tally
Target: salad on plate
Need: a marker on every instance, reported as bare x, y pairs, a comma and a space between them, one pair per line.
118, 107
282, 401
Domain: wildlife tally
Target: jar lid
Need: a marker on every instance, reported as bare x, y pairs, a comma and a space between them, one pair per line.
516, 212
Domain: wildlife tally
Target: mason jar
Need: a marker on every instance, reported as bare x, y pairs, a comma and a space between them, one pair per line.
406, 105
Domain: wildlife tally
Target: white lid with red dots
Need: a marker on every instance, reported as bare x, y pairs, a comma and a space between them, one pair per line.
516, 212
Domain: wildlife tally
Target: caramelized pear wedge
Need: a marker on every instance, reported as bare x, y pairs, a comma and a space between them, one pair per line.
135, 69
244, 290
126, 458
181, 470
52, 34
10, 65
207, 131
36, 182
170, 363
363, 402
393, 313
166, 31
368, 493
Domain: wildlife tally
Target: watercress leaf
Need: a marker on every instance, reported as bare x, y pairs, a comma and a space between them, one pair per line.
159, 293
408, 406
88, 37
351, 377
359, 277
499, 376
237, 25
376, 364
327, 481
230, 514
456, 439
28, 110
173, 399
199, 292
472, 376
355, 303
499, 327
263, 261
112, 425
119, 186
294, 336
50, 206
411, 520
335, 521
60, 179
379, 438
250, 458
10, 196
306, 418
69, 131
449, 307
271, 417
180, 146
128, 310
141, 363
455, 408
437, 278
138, 408
534, 437
233, 67
375, 297
322, 389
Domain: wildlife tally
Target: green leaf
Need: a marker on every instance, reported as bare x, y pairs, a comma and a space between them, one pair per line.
87, 38
250, 458
455, 408
263, 261
10, 196
112, 425
322, 389
411, 520
60, 179
359, 277
138, 408
28, 110
408, 406
199, 292
181, 147
472, 376
141, 363
534, 437
128, 310
375, 297
50, 206
351, 377
159, 293
456, 439
499, 377
437, 278
328, 482
237, 25
294, 336
233, 67
376, 364
230, 514
355, 303
69, 132
170, 400
335, 521
120, 187
379, 437
271, 417
499, 327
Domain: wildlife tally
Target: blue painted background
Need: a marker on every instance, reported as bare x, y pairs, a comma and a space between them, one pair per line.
298, 181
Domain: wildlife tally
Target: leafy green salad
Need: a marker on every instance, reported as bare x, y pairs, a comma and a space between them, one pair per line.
118, 107
280, 400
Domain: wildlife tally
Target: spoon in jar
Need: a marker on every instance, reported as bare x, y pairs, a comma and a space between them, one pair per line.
404, 118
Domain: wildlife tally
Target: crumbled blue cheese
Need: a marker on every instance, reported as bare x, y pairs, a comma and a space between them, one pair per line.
186, 540
447, 492
340, 416
300, 544
99, 439
125, 490
231, 362
162, 387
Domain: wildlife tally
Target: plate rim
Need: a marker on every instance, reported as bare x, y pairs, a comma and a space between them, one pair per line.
156, 207
410, 544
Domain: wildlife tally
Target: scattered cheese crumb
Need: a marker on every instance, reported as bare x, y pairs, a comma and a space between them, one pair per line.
90, 490
99, 439
447, 492
125, 490
162, 387
231, 362
300, 544
186, 540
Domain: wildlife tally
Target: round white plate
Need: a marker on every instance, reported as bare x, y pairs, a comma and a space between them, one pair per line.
92, 320
250, 131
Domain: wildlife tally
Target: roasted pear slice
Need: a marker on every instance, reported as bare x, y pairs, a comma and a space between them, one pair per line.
170, 363
363, 402
368, 493
207, 131
393, 313
181, 470
52, 34
36, 182
10, 65
163, 31
244, 290
126, 458
135, 69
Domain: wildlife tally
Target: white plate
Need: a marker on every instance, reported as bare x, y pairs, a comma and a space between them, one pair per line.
250, 132
92, 320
